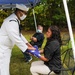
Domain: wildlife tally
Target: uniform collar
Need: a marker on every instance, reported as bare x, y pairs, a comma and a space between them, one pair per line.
16, 17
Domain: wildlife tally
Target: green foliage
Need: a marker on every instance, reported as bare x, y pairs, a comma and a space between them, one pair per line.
71, 5
4, 14
49, 12
18, 65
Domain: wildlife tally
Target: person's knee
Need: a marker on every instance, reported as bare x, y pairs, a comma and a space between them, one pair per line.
31, 69
33, 63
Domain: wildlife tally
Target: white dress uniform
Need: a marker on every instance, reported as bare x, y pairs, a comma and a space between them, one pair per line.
9, 36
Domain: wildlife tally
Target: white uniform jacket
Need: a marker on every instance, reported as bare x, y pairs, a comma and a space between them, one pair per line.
9, 35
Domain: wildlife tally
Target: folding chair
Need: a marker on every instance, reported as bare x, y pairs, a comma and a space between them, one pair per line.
65, 40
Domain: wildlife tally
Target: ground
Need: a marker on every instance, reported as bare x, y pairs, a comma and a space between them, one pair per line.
18, 66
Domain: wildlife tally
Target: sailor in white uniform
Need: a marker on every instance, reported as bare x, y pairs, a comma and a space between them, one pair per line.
10, 36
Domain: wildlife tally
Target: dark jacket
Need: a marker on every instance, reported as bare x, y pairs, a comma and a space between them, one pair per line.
52, 53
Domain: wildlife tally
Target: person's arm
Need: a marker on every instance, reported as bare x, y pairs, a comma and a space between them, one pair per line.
36, 53
12, 29
34, 39
43, 58
41, 51
24, 39
28, 44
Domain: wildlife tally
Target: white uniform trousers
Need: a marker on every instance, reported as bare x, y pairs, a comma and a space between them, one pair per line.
38, 67
5, 62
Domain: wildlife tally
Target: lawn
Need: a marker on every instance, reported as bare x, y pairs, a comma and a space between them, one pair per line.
18, 66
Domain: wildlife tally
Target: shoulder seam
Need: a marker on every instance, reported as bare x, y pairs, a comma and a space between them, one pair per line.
12, 20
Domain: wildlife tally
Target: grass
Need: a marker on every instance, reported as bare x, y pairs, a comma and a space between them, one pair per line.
18, 66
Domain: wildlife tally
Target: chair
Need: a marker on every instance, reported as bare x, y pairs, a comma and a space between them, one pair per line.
52, 73
68, 64
65, 40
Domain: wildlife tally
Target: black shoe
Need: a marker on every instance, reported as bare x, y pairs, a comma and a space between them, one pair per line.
28, 60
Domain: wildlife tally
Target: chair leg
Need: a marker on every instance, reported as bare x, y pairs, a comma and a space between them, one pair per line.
52, 73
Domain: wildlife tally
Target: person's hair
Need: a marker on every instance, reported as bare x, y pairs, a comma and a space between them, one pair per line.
40, 26
55, 34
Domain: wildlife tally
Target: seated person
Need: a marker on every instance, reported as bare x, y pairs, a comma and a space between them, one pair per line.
51, 61
36, 39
